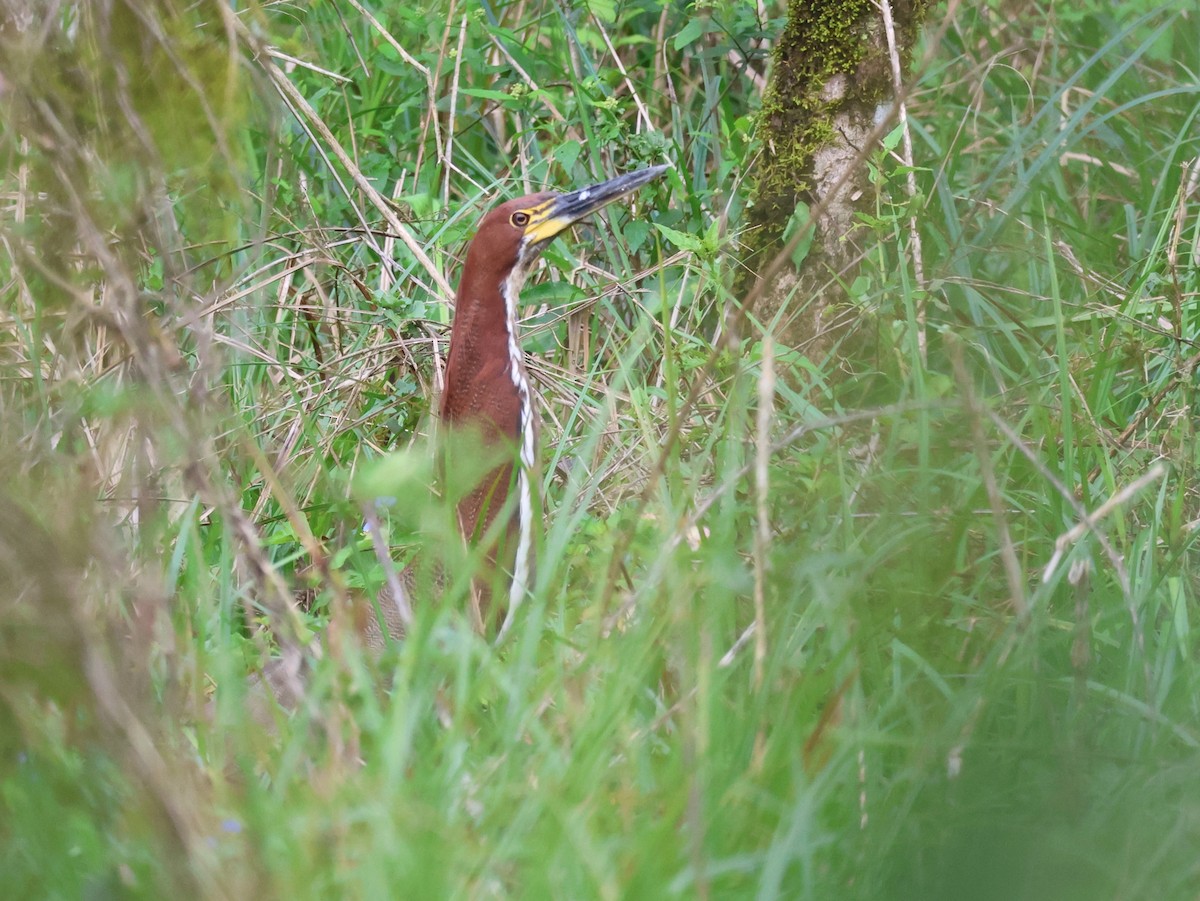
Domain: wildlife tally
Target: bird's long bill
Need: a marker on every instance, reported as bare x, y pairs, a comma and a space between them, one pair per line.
563, 209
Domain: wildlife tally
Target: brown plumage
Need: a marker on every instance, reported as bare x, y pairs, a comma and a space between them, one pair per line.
487, 409
487, 395
487, 401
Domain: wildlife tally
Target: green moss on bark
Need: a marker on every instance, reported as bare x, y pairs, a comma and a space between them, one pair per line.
831, 62
822, 40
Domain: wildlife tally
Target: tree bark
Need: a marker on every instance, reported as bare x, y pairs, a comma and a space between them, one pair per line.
831, 87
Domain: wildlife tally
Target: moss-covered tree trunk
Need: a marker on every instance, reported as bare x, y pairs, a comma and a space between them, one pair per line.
831, 87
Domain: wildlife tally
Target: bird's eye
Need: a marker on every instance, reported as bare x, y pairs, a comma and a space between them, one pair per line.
520, 219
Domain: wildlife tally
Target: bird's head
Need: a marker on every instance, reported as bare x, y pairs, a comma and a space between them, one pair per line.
514, 234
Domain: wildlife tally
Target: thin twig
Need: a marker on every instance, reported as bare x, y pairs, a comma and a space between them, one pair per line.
983, 454
301, 105
762, 481
383, 555
1088, 522
643, 113
312, 67
1101, 538
449, 160
910, 177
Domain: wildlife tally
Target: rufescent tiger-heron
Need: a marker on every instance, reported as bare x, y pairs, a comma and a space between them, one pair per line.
487, 389
487, 395
487, 392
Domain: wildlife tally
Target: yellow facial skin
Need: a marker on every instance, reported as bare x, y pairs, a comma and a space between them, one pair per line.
551, 218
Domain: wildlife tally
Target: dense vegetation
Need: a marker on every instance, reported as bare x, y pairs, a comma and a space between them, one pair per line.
907, 620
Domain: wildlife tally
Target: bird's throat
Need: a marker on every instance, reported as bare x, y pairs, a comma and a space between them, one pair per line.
488, 393
527, 441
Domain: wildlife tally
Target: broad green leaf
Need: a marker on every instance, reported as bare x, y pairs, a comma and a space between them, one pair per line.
690, 32
566, 153
682, 240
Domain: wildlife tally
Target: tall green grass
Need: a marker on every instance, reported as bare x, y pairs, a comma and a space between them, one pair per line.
971, 672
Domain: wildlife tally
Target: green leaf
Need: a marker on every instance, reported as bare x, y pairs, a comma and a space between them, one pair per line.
682, 240
486, 94
635, 234
690, 32
892, 139
566, 153
798, 221
398, 474
604, 10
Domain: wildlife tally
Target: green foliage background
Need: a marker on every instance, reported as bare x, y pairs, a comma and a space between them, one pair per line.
973, 673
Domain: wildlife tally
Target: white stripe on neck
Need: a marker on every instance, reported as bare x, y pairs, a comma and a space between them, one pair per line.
509, 289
